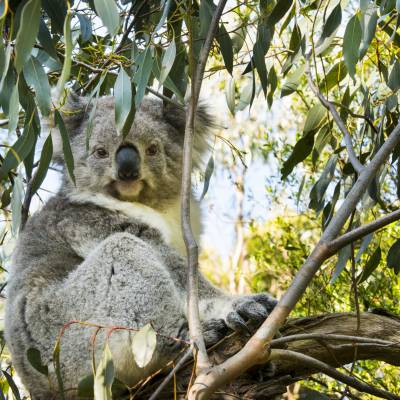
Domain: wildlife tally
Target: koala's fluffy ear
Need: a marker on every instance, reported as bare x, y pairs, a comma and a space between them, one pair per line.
74, 112
204, 124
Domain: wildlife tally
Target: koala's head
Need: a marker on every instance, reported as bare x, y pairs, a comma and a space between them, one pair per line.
146, 165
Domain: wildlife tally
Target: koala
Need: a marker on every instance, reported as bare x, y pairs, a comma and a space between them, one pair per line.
107, 250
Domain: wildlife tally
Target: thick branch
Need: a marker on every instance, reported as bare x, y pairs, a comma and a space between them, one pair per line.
339, 122
190, 242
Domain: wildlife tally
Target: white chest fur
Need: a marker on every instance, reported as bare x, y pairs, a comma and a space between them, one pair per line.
167, 221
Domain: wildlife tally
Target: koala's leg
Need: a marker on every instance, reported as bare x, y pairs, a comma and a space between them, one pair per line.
122, 283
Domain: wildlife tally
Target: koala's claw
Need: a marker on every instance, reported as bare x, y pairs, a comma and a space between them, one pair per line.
214, 330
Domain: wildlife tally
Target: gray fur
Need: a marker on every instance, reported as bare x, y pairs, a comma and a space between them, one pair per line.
92, 255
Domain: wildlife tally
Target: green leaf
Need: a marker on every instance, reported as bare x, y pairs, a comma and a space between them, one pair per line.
104, 377
45, 40
343, 257
368, 26
36, 76
12, 385
142, 75
393, 257
45, 159
27, 32
315, 116
57, 11
279, 11
167, 61
16, 204
207, 176
143, 345
363, 246
123, 100
394, 77
259, 62
35, 359
57, 368
335, 75
69, 158
332, 23
13, 109
107, 10
85, 387
206, 11
273, 84
351, 44
230, 95
370, 266
292, 82
226, 47
18, 151
86, 27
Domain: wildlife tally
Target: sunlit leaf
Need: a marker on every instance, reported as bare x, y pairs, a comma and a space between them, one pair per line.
332, 22
143, 74
104, 377
167, 61
123, 99
16, 204
27, 32
394, 77
335, 75
292, 81
12, 385
13, 113
108, 12
315, 116
144, 343
230, 95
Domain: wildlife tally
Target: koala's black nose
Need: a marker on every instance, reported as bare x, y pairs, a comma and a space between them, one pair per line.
128, 163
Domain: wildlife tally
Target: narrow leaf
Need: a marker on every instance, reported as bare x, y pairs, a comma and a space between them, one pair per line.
107, 10
230, 95
27, 32
69, 158
86, 27
12, 385
167, 61
104, 377
123, 99
13, 109
351, 44
333, 22
226, 47
370, 266
35, 359
45, 159
393, 257
343, 257
207, 176
143, 74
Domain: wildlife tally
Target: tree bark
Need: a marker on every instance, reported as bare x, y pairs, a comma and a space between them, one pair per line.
323, 344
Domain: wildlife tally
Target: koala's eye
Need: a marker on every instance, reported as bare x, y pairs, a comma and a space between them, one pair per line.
101, 152
152, 150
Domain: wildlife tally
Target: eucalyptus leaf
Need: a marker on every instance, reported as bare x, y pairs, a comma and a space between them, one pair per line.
343, 257
207, 176
351, 44
35, 360
144, 344
167, 61
107, 10
230, 95
370, 266
226, 47
332, 23
393, 257
123, 99
104, 378
27, 33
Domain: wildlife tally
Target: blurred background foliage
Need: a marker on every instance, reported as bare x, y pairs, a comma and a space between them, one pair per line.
279, 167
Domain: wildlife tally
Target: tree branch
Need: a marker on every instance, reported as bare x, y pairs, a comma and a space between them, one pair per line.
317, 365
339, 122
256, 350
190, 242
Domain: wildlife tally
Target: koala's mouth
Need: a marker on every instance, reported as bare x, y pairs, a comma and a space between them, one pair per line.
125, 190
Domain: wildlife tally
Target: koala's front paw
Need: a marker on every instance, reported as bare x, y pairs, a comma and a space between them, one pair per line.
214, 330
250, 311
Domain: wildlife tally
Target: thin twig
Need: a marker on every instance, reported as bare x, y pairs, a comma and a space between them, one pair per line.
332, 372
195, 329
339, 122
176, 368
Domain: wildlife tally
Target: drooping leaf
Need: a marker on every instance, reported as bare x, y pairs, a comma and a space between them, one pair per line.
334, 76
35, 360
230, 95
315, 116
343, 257
273, 84
368, 26
86, 27
363, 246
143, 346
370, 266
104, 377
85, 387
351, 44
332, 22
68, 157
18, 151
45, 40
13, 109
123, 99
393, 257
226, 47
292, 81
394, 77
207, 176
259, 62
108, 12
36, 76
279, 11
45, 159
167, 61
27, 33
57, 11
57, 368
143, 74
12, 384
